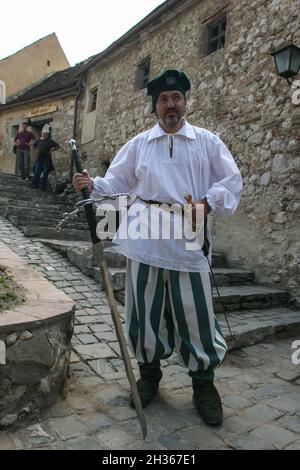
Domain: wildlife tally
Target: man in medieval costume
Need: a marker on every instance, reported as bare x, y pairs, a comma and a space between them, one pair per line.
168, 297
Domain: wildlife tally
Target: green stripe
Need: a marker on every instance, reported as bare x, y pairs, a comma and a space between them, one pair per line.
186, 348
142, 281
203, 319
218, 329
133, 331
155, 315
170, 325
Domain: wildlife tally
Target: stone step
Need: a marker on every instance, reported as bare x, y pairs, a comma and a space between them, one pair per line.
51, 233
115, 260
65, 245
22, 204
257, 326
232, 276
27, 192
234, 298
219, 260
79, 253
223, 276
57, 206
40, 213
21, 221
242, 298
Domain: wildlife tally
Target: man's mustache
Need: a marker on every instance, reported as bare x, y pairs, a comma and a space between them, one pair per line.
172, 111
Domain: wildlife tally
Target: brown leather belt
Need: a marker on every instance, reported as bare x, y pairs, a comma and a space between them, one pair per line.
160, 203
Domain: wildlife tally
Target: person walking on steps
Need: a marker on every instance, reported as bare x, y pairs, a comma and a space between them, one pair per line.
43, 165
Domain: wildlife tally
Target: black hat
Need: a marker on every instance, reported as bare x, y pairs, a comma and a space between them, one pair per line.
165, 81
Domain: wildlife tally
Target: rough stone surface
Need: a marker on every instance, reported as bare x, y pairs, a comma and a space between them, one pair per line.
256, 398
36, 361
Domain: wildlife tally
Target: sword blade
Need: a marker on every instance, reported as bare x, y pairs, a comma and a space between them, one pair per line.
98, 252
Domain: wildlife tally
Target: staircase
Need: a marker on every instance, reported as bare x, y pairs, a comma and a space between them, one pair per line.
256, 313
38, 212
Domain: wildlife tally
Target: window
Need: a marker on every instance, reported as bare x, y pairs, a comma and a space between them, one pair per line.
216, 35
93, 99
48, 63
143, 73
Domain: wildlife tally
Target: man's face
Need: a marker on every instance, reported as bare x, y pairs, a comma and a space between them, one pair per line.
170, 108
24, 126
45, 135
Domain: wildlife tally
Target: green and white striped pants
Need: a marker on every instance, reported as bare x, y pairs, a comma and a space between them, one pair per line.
189, 324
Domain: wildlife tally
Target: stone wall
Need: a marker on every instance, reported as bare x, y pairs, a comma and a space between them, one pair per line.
37, 365
37, 60
236, 91
35, 343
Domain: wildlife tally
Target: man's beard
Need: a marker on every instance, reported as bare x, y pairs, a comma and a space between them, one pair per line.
171, 120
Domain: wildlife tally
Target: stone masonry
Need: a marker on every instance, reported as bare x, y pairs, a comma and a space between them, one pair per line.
35, 337
235, 91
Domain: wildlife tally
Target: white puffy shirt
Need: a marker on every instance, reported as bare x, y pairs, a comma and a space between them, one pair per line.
200, 165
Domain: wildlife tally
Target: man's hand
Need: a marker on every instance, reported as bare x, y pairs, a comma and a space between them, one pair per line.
189, 200
82, 180
203, 202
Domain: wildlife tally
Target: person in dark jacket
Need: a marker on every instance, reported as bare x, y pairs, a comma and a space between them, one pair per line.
43, 164
22, 142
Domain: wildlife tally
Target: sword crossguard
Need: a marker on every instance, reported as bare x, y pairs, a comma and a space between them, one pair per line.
72, 142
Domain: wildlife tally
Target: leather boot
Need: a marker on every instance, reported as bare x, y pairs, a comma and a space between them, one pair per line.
148, 383
207, 401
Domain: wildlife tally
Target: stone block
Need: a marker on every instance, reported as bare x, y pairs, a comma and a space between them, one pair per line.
275, 435
68, 427
87, 338
262, 413
292, 423
94, 351
99, 327
114, 438
250, 442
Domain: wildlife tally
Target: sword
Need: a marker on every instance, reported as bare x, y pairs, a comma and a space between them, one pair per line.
99, 256
205, 248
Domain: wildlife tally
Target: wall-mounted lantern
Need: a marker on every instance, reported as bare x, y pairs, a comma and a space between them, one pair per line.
287, 61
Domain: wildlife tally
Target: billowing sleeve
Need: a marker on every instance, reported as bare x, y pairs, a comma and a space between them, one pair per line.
120, 177
226, 184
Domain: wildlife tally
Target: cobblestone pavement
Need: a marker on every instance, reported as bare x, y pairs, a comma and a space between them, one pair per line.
259, 385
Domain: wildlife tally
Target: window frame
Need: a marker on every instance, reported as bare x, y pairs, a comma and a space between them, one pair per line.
220, 38
143, 73
92, 101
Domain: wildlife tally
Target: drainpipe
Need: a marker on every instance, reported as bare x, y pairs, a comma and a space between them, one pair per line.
77, 99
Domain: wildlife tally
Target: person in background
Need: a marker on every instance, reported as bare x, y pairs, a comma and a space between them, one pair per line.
23, 140
43, 165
